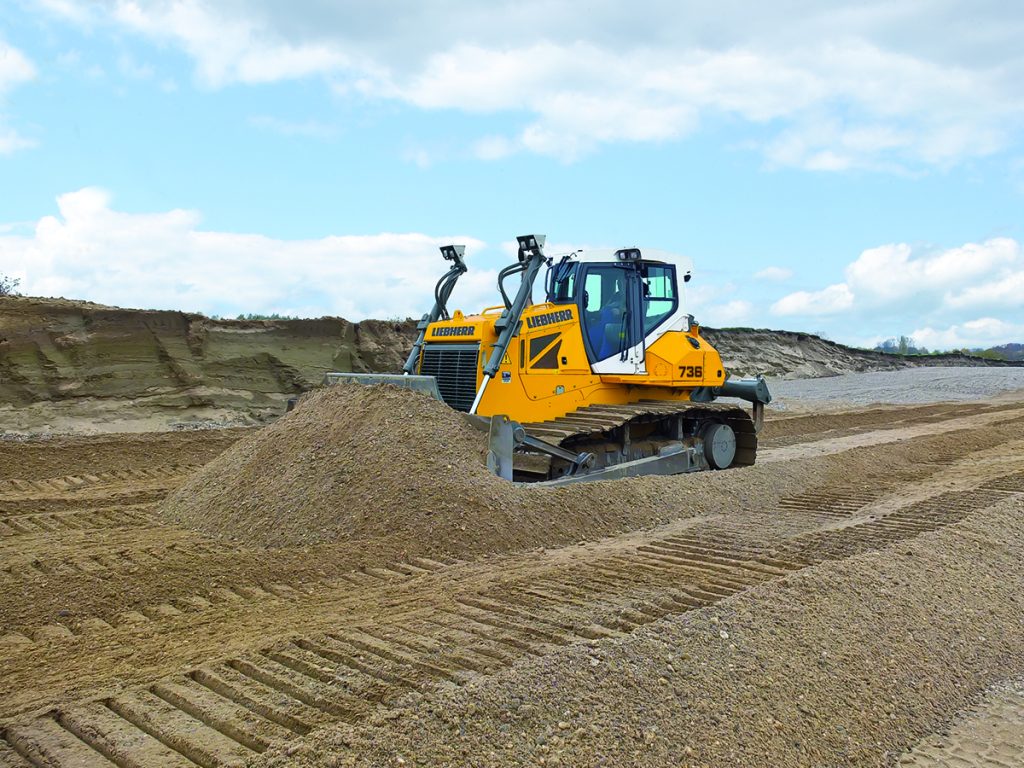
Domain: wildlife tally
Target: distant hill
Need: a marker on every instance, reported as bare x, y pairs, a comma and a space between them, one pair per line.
74, 365
1009, 351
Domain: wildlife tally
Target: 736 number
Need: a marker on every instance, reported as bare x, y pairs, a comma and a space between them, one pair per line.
691, 371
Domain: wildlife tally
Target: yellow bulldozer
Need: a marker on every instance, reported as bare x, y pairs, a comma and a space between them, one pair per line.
607, 377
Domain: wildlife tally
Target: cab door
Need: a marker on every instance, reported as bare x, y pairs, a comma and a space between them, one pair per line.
611, 313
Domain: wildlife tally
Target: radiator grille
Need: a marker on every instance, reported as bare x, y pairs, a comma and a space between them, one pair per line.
454, 366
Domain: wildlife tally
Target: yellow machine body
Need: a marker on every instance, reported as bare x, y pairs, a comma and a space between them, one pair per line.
545, 372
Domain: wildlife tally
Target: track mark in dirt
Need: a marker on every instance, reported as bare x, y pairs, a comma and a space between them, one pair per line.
107, 517
71, 483
1007, 483
70, 502
61, 497
848, 499
222, 712
842, 503
783, 431
876, 532
123, 561
234, 597
917, 429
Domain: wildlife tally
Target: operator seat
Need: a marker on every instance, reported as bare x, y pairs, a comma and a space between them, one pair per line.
606, 336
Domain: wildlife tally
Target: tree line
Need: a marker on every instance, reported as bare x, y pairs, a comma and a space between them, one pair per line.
905, 345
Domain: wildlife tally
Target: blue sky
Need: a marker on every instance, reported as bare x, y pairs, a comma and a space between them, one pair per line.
855, 169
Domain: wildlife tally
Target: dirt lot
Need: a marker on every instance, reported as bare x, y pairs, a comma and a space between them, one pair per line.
906, 387
846, 601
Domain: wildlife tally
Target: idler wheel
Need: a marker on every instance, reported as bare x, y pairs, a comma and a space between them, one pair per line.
719, 445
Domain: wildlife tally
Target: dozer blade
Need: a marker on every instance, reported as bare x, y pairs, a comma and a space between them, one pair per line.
425, 384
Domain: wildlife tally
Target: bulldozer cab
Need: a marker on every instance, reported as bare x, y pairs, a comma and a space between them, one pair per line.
621, 303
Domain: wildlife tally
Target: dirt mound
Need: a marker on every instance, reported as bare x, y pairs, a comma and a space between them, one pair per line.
346, 462
381, 464
796, 355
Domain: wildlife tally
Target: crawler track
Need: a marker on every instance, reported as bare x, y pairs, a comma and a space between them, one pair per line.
600, 428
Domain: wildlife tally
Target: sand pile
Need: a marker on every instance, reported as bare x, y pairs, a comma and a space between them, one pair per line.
382, 472
345, 461
380, 464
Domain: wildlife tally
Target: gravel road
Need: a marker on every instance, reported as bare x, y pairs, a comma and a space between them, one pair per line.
908, 386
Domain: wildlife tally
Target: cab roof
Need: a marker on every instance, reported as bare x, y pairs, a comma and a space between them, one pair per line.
683, 264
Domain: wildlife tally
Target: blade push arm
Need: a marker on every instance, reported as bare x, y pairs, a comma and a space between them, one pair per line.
531, 257
442, 291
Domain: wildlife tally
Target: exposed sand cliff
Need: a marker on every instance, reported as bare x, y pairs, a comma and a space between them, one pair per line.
76, 366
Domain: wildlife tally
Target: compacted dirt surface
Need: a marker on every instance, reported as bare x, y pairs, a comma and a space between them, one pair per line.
990, 735
340, 589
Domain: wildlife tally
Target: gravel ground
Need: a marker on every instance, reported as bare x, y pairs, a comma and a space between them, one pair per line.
908, 386
838, 665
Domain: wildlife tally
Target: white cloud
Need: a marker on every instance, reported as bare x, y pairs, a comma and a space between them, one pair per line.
73, 10
898, 278
715, 304
166, 261
15, 69
774, 274
828, 301
494, 148
983, 332
1005, 291
11, 140
227, 45
893, 272
132, 69
730, 313
868, 84
421, 157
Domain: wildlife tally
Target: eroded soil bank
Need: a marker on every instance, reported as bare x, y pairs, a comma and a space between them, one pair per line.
73, 366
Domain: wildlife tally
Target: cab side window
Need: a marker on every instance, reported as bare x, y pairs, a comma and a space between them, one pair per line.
562, 283
660, 300
592, 292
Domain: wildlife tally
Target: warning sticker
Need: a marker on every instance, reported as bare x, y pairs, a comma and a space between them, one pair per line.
506, 377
